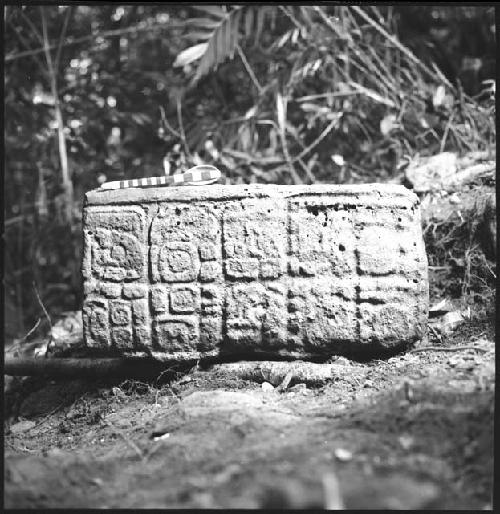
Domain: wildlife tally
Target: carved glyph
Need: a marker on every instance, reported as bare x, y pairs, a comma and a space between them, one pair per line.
298, 272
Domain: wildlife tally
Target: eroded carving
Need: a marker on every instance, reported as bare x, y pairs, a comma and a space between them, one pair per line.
299, 272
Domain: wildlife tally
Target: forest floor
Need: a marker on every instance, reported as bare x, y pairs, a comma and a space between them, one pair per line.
414, 431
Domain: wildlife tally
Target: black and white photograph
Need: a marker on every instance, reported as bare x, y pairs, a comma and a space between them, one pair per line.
249, 256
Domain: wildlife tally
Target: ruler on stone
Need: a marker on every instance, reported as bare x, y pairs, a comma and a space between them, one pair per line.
197, 176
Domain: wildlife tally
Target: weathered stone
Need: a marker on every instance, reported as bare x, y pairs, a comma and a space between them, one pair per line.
297, 271
131, 291
110, 290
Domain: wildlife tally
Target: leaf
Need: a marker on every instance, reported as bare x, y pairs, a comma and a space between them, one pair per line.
222, 35
227, 40
273, 13
438, 97
166, 166
273, 141
249, 20
221, 43
451, 320
245, 138
293, 130
270, 160
338, 159
190, 54
305, 14
310, 107
214, 10
261, 14
283, 39
388, 124
198, 35
281, 111
251, 112
373, 95
235, 32
41, 196
440, 308
204, 23
238, 155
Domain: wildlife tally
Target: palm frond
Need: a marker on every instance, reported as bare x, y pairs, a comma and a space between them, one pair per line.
222, 42
220, 32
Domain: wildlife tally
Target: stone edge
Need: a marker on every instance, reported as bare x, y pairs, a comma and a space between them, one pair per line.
399, 195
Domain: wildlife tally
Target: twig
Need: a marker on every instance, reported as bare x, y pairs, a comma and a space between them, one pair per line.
63, 154
327, 21
108, 33
316, 141
448, 349
44, 311
35, 326
309, 173
61, 38
446, 131
249, 69
437, 336
398, 45
305, 167
171, 369
326, 95
132, 445
25, 44
32, 26
388, 76
291, 16
167, 124
44, 419
286, 381
281, 109
181, 126
19, 345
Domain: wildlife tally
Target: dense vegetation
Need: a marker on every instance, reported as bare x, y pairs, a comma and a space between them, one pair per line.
268, 94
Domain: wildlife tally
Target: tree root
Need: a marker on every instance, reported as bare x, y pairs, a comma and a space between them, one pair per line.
448, 349
280, 373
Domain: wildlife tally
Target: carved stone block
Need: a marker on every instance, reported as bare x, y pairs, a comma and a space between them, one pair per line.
295, 271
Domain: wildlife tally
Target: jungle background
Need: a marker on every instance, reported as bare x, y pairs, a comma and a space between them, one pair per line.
270, 94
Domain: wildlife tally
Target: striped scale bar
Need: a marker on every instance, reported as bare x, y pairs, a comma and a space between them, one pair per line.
198, 175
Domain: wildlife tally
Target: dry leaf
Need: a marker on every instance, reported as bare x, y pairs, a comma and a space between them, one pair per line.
338, 159
388, 124
438, 97
191, 54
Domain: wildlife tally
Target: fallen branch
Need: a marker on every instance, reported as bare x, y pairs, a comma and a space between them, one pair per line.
84, 367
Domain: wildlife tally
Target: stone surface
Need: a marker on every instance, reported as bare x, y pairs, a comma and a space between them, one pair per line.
296, 271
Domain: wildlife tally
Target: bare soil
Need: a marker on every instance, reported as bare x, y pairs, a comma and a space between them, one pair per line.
413, 431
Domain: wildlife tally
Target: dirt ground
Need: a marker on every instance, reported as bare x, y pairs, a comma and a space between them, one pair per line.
414, 431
